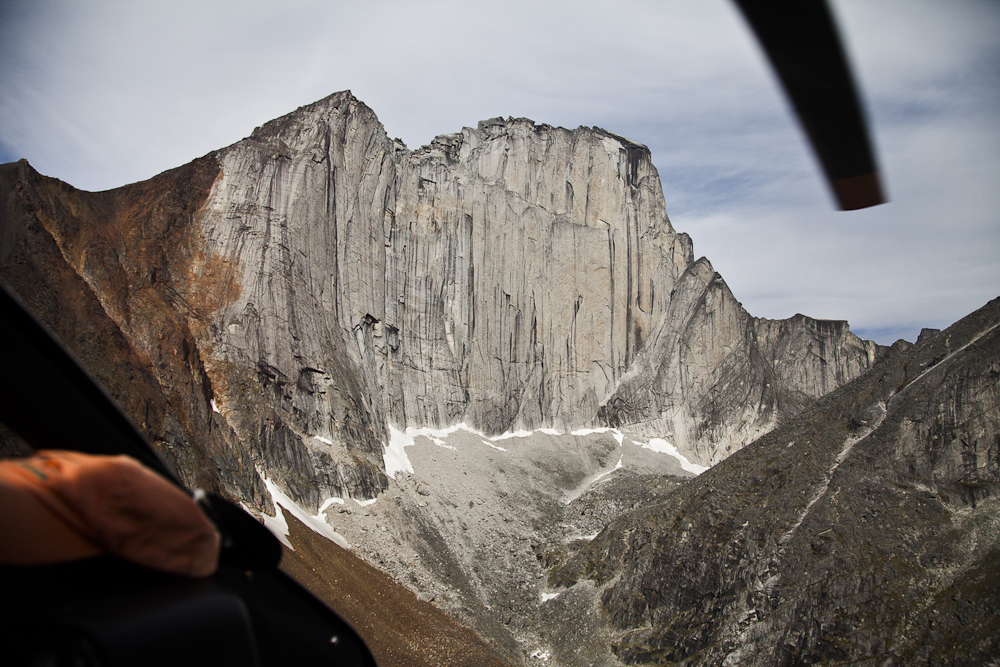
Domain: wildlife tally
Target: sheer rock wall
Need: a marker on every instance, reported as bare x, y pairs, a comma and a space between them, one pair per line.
512, 276
298, 291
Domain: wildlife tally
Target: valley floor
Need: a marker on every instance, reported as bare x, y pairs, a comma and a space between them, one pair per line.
475, 530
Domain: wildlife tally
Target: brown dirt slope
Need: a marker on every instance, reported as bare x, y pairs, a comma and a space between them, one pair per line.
400, 630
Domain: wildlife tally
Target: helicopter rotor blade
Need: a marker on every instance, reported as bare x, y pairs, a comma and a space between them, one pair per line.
801, 40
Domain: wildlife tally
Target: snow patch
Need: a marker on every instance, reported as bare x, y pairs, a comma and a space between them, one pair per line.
618, 466
436, 436
325, 441
364, 503
328, 502
279, 527
442, 432
276, 524
215, 408
541, 655
589, 431
661, 446
549, 596
583, 488
583, 432
579, 538
394, 455
512, 434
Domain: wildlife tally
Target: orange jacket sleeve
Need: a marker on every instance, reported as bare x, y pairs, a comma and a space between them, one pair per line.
60, 505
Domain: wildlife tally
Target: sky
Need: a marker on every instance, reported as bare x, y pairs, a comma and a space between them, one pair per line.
104, 93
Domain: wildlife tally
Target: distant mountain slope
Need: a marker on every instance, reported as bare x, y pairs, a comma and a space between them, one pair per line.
865, 530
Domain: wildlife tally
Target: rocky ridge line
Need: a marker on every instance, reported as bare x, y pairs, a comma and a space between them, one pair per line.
862, 531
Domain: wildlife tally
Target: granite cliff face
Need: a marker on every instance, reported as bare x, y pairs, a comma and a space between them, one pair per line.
863, 531
288, 297
503, 276
712, 378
